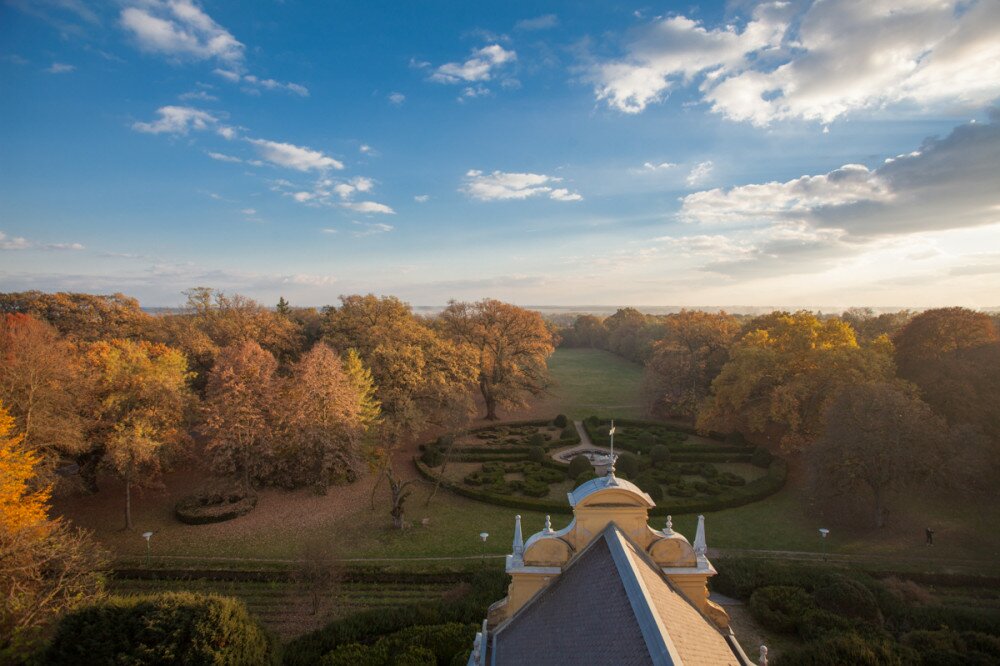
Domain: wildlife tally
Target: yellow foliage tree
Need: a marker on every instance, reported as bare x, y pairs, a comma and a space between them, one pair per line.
46, 568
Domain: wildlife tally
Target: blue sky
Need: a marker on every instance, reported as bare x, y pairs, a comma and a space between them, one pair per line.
752, 153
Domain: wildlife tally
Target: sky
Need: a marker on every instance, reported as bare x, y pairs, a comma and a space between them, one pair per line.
797, 153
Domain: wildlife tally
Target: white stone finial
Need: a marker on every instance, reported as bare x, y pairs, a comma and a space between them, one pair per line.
612, 458
548, 524
763, 656
669, 529
518, 539
700, 546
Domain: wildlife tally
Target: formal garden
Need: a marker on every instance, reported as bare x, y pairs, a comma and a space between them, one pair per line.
533, 464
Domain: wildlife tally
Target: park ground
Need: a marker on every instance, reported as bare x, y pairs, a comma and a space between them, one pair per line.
353, 522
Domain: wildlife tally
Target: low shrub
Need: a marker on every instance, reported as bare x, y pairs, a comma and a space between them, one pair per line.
848, 598
213, 508
578, 465
730, 479
681, 490
533, 488
167, 628
569, 433
708, 488
537, 439
648, 484
585, 476
629, 464
560, 421
645, 441
667, 476
536, 454
708, 470
659, 455
848, 648
761, 457
432, 456
780, 608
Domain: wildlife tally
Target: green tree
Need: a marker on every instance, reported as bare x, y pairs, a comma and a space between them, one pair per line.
878, 439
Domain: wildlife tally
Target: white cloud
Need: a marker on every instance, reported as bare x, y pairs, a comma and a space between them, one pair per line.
364, 148
397, 98
179, 120
371, 228
481, 66
369, 207
328, 230
60, 68
254, 83
699, 173
295, 157
222, 157
422, 198
499, 186
543, 22
13, 243
951, 183
249, 211
199, 95
654, 166
817, 61
180, 29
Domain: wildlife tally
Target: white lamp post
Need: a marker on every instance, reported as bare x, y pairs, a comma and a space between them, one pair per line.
147, 536
823, 532
484, 536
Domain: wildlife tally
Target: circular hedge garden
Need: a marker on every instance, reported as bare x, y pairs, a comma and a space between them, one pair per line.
512, 465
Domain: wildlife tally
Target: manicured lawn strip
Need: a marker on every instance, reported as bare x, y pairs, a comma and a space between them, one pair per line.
592, 380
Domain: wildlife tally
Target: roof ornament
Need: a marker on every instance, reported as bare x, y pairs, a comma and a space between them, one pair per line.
548, 525
612, 458
518, 539
669, 529
484, 644
700, 546
763, 656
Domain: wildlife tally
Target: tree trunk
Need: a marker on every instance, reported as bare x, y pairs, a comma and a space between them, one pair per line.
128, 500
491, 402
88, 463
879, 511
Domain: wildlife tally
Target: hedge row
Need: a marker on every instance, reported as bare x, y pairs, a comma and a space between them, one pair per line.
753, 491
368, 626
167, 628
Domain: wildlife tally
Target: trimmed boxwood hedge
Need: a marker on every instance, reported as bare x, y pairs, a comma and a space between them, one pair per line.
215, 508
168, 628
753, 491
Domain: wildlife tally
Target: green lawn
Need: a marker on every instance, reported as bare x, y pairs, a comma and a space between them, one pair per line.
592, 381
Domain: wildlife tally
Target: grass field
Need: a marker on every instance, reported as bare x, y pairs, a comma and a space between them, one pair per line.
586, 381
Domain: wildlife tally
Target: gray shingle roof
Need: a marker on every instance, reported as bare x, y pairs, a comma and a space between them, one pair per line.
610, 606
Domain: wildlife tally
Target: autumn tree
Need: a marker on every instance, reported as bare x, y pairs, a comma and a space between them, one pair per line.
213, 320
237, 409
868, 326
421, 378
42, 384
588, 331
141, 398
878, 439
625, 336
953, 356
85, 317
511, 345
690, 354
782, 373
46, 567
326, 415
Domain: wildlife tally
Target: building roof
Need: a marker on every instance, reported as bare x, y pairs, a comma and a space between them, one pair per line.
609, 482
611, 605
